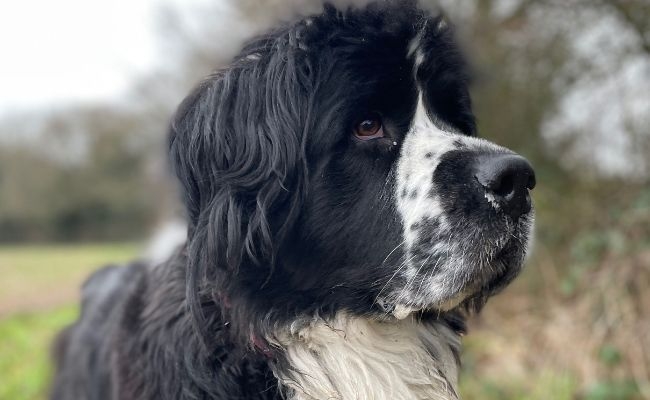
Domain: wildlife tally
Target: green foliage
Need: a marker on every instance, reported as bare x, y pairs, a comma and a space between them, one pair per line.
609, 355
547, 385
622, 229
613, 390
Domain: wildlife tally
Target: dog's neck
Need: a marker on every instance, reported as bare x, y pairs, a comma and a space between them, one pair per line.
351, 358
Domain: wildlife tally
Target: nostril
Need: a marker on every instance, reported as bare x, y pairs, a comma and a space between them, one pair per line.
503, 186
531, 181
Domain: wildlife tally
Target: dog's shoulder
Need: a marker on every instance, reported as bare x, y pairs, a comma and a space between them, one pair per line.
157, 352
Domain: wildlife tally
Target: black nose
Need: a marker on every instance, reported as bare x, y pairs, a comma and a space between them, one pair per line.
507, 177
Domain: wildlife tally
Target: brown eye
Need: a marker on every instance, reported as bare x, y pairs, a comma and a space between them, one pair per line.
369, 128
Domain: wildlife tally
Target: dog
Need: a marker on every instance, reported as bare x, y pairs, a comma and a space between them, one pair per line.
343, 221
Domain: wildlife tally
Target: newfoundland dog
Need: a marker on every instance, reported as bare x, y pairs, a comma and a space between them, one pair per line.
342, 218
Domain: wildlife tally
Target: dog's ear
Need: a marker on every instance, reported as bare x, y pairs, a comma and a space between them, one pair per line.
237, 145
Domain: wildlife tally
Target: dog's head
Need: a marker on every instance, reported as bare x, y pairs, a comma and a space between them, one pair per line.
333, 165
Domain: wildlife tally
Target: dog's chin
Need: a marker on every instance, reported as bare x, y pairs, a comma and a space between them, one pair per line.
486, 280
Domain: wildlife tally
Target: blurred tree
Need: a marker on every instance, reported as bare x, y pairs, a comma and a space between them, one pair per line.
84, 177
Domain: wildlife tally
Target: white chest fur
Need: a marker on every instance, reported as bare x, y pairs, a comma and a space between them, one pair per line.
361, 359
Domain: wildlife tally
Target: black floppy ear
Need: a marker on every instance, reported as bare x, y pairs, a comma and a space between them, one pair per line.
237, 146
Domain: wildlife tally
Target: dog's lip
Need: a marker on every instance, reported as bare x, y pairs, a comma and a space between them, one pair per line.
507, 264
402, 310
511, 249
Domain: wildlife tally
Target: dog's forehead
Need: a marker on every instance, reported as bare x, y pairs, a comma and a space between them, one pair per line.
378, 20
382, 33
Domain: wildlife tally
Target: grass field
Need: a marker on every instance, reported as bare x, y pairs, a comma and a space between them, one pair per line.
39, 287
24, 352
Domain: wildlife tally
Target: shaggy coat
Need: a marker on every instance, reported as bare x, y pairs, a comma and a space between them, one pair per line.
342, 218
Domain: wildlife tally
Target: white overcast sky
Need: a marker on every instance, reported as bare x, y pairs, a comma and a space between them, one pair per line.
54, 52
74, 50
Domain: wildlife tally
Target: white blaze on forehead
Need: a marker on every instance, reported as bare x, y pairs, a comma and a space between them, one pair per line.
423, 147
415, 51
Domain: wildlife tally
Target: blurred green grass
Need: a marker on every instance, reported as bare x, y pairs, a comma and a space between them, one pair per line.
25, 364
38, 297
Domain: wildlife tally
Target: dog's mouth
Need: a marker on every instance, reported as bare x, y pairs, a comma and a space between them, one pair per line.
482, 276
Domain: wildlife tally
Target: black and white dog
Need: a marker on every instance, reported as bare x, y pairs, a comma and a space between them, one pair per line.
342, 220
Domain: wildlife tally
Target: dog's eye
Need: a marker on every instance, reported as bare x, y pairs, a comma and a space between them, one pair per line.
370, 127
